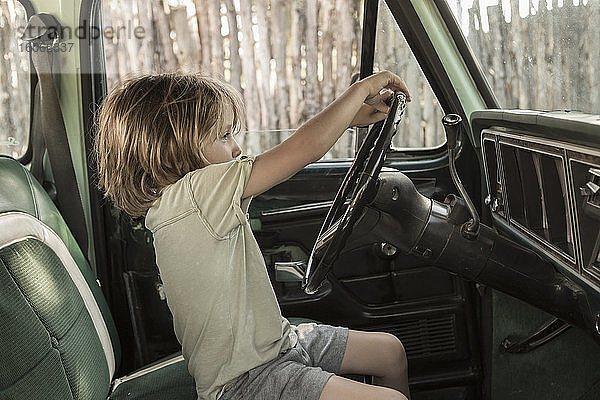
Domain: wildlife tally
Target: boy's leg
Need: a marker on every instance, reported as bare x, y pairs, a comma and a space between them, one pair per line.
379, 354
338, 387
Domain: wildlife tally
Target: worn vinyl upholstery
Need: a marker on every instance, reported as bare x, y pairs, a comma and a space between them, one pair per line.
58, 338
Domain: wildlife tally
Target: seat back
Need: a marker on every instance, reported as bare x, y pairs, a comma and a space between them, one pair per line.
57, 338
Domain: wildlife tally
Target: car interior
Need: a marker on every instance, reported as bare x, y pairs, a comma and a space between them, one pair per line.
481, 254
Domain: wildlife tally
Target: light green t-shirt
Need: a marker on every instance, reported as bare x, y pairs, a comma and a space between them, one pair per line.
225, 311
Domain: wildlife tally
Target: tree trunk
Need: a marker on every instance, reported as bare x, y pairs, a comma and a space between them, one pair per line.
295, 65
119, 16
144, 44
344, 14
263, 59
110, 43
413, 113
540, 57
357, 24
327, 27
557, 58
216, 40
594, 48
311, 90
496, 21
163, 55
249, 75
343, 46
127, 38
234, 47
279, 35
204, 34
187, 47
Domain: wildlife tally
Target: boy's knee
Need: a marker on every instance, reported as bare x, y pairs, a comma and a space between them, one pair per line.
389, 394
396, 349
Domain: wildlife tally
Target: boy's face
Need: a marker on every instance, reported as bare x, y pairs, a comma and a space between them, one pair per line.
225, 148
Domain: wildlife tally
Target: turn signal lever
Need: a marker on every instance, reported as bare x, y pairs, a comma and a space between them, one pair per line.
451, 122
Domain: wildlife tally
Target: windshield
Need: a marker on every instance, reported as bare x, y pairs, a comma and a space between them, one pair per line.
536, 54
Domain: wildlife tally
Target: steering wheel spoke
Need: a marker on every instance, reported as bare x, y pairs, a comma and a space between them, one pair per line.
326, 237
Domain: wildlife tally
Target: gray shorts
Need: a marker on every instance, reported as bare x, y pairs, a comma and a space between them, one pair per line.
298, 374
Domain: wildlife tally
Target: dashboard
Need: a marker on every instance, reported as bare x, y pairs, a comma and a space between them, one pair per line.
549, 192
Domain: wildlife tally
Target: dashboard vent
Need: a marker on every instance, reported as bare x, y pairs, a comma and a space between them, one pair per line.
536, 195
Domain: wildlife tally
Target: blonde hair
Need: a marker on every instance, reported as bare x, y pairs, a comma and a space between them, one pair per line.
151, 130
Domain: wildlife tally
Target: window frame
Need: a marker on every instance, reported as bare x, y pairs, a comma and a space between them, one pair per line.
430, 63
93, 91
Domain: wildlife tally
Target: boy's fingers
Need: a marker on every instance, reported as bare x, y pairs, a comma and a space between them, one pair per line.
386, 94
382, 107
385, 83
377, 103
396, 84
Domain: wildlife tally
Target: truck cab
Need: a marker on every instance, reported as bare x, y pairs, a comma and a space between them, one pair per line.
467, 223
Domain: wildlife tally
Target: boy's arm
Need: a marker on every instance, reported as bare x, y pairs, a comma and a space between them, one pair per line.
315, 137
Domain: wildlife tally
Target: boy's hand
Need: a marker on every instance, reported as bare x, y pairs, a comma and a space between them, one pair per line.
368, 114
382, 80
378, 88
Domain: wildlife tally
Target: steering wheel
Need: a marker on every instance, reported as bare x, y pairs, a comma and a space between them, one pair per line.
354, 192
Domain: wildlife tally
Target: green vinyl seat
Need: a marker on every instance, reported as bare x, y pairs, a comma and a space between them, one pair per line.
164, 379
57, 337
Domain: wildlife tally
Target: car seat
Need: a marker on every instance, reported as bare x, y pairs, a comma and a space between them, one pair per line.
58, 338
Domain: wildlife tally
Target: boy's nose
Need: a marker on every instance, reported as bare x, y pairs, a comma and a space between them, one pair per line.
236, 149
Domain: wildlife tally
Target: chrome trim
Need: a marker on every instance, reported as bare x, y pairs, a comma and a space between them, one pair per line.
546, 142
439, 209
299, 208
551, 148
593, 273
388, 249
559, 252
485, 161
575, 218
145, 371
290, 271
329, 232
553, 257
366, 278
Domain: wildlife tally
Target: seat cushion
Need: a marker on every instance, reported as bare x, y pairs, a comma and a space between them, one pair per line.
165, 379
20, 193
300, 320
53, 342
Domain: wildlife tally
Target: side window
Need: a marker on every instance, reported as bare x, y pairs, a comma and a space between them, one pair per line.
539, 55
14, 74
421, 124
288, 59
